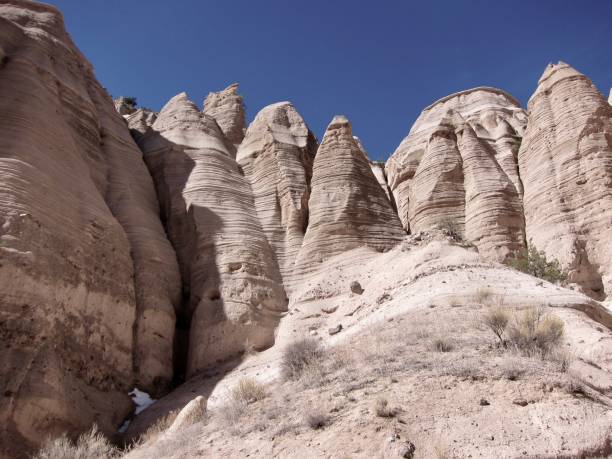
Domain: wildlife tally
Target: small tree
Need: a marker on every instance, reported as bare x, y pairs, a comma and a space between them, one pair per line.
132, 102
496, 319
534, 262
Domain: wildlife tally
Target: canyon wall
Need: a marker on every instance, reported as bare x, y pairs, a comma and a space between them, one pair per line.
89, 281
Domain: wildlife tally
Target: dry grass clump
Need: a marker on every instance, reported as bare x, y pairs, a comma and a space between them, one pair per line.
513, 369
316, 418
483, 295
532, 332
159, 426
248, 390
299, 356
382, 408
535, 333
442, 345
90, 445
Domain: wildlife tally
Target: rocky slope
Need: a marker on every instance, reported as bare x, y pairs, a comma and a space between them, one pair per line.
89, 281
566, 168
202, 250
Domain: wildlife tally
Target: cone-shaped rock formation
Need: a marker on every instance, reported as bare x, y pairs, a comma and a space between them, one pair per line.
566, 168
276, 157
227, 108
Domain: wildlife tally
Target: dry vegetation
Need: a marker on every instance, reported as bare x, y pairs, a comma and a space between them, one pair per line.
90, 445
407, 360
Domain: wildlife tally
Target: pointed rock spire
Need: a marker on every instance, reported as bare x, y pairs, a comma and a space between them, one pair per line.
348, 208
228, 267
276, 156
565, 161
227, 108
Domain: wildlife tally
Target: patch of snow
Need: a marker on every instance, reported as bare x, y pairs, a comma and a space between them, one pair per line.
124, 426
141, 399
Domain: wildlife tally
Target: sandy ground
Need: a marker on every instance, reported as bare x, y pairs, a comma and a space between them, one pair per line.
421, 291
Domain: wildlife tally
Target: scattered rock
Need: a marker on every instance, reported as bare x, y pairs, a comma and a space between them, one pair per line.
356, 288
520, 402
336, 329
329, 310
484, 402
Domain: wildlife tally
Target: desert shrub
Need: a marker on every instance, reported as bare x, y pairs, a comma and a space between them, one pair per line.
534, 332
316, 418
130, 101
159, 426
483, 294
248, 390
382, 408
298, 356
512, 369
450, 227
442, 345
534, 262
90, 445
496, 319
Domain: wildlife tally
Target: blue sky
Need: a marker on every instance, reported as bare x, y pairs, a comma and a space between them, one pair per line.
377, 62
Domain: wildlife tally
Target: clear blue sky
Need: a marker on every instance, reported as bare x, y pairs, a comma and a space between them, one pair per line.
377, 62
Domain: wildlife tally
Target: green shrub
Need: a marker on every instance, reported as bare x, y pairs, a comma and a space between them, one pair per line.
130, 101
534, 262
451, 228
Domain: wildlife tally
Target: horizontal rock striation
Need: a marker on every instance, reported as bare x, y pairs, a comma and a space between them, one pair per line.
348, 207
227, 108
88, 280
276, 156
231, 280
436, 174
566, 168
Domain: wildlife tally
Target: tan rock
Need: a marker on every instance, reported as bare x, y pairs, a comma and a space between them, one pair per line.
235, 295
276, 157
88, 280
348, 208
566, 168
440, 166
124, 106
227, 108
140, 121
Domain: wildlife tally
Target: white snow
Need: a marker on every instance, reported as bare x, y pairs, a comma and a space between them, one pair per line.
141, 399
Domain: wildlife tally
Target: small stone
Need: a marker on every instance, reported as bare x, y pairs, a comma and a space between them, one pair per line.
484, 402
520, 402
356, 288
336, 329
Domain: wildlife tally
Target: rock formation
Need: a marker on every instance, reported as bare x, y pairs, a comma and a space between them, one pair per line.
439, 167
227, 108
566, 168
140, 121
124, 106
88, 280
276, 157
378, 169
231, 280
348, 207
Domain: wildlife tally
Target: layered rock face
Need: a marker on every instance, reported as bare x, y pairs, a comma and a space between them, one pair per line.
276, 156
227, 108
231, 281
566, 167
348, 207
458, 167
88, 280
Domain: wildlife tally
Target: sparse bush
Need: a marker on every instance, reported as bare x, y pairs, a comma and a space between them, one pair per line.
159, 426
316, 418
90, 445
382, 408
130, 101
496, 319
535, 333
483, 294
512, 369
298, 356
534, 262
451, 228
442, 345
248, 390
